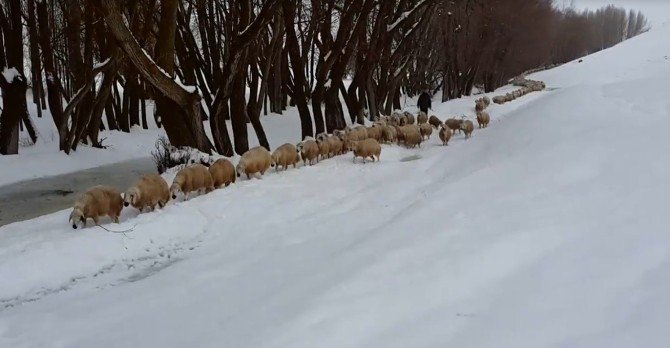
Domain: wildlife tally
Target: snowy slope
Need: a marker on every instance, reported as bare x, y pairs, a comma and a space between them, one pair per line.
548, 229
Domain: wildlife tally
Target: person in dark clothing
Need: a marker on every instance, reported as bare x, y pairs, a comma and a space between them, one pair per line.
424, 102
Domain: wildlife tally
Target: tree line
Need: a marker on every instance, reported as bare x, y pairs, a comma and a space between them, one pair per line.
218, 60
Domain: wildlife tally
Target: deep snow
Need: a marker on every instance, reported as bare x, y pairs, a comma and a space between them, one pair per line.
548, 229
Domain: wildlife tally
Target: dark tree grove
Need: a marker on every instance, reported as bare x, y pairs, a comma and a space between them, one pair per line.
94, 64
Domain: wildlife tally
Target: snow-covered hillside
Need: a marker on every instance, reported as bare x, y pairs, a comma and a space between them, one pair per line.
548, 229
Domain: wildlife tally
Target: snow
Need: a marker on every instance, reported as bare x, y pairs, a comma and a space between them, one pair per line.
189, 89
548, 229
403, 16
10, 74
101, 64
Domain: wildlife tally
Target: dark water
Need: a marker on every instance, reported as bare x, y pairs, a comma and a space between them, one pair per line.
29, 199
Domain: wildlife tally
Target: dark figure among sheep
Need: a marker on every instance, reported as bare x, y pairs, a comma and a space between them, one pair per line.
424, 102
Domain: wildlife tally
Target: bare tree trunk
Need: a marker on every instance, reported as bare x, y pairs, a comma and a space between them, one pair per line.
53, 91
14, 89
179, 109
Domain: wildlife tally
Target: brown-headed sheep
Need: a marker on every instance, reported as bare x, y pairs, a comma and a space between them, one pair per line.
222, 172
284, 156
479, 105
375, 132
422, 118
454, 124
445, 135
426, 130
321, 137
95, 203
335, 145
409, 118
483, 119
467, 127
411, 135
255, 160
190, 179
309, 151
150, 190
324, 148
366, 148
389, 134
435, 122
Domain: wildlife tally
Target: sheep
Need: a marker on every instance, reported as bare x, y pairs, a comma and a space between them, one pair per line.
98, 201
366, 148
309, 151
483, 119
426, 130
379, 123
400, 136
413, 139
358, 133
394, 120
422, 118
255, 160
335, 145
499, 100
445, 135
479, 105
375, 132
412, 136
409, 118
150, 190
454, 124
321, 137
389, 134
284, 156
222, 172
190, 179
487, 101
435, 122
467, 127
324, 148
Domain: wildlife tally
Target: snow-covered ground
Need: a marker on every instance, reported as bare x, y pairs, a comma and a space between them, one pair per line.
548, 229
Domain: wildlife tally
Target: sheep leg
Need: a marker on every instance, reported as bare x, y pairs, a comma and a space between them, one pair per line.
95, 220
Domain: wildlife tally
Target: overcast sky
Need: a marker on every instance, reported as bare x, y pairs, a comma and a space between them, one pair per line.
658, 11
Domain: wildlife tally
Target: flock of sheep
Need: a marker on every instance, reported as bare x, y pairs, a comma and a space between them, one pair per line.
152, 190
527, 86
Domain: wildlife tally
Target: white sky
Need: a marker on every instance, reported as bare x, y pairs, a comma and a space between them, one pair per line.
658, 11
